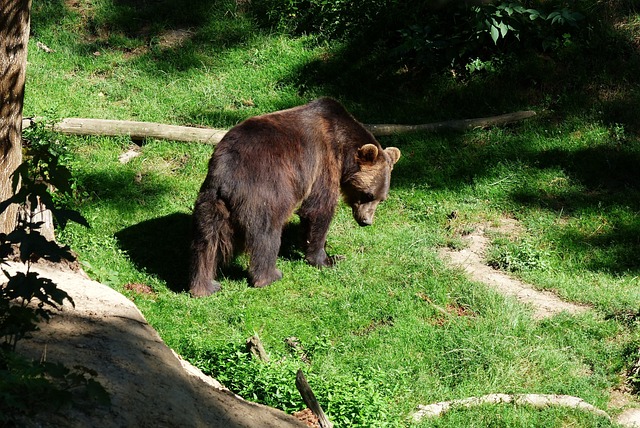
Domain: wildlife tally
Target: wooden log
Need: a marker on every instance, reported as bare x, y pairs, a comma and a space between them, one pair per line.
310, 400
139, 130
136, 130
453, 125
143, 130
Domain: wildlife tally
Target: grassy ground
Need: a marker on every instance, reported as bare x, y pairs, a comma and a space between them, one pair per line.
374, 342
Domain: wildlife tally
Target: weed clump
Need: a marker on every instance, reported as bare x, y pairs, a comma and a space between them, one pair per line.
518, 256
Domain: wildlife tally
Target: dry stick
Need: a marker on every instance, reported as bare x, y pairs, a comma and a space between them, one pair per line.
142, 130
535, 400
310, 400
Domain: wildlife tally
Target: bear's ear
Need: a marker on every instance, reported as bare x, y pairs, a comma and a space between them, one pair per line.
367, 153
394, 154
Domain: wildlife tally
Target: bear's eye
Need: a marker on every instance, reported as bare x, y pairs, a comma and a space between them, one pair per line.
368, 197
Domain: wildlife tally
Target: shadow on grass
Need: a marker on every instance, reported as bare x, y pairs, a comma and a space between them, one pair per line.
610, 170
169, 35
161, 246
600, 197
609, 195
614, 252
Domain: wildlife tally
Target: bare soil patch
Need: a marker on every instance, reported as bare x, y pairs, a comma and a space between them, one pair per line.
472, 261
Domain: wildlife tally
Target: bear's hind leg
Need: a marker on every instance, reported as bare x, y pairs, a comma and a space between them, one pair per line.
202, 282
211, 240
263, 248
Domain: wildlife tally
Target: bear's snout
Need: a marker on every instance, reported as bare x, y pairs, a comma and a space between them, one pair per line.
365, 221
363, 213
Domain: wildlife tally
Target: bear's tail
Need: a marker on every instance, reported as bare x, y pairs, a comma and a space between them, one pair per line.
212, 243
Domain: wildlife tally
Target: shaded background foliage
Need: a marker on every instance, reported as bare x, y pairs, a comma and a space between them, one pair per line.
433, 34
538, 51
430, 59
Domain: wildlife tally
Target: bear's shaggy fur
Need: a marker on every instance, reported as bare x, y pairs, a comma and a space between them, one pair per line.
266, 167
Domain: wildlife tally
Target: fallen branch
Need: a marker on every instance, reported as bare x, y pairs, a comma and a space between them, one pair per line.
534, 400
453, 125
143, 130
309, 399
136, 130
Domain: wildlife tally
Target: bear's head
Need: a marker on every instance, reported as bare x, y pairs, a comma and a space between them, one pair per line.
369, 185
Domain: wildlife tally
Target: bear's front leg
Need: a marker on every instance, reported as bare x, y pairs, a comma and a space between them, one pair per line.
263, 252
315, 235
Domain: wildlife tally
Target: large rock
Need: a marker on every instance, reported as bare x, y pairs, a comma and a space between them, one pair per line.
148, 384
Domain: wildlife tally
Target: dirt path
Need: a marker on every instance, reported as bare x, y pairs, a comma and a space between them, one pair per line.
544, 304
471, 259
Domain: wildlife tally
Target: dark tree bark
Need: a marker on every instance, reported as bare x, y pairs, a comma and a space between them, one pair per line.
14, 36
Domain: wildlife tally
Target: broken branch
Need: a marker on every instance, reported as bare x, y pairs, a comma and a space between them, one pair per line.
452, 125
256, 349
138, 130
310, 400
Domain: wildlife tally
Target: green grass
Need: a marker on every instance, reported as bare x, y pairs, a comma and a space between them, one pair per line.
372, 328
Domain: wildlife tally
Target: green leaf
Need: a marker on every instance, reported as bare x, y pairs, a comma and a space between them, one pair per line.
495, 34
504, 29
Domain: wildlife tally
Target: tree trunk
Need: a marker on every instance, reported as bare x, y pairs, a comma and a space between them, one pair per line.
14, 36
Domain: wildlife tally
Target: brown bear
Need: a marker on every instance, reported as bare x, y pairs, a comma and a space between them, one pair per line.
266, 167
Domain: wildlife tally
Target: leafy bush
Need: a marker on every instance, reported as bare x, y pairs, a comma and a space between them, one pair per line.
267, 383
331, 19
361, 400
425, 34
503, 19
479, 33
